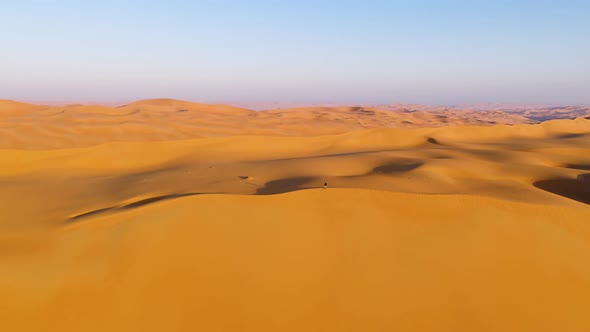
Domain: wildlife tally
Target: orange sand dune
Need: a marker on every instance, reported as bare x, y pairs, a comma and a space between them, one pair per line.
168, 215
341, 259
26, 126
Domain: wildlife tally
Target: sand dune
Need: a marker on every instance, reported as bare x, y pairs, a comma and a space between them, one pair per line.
502, 162
169, 215
337, 259
26, 126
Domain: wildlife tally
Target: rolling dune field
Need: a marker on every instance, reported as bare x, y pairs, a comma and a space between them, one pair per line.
169, 215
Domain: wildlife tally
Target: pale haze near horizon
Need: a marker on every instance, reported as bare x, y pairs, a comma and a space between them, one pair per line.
431, 52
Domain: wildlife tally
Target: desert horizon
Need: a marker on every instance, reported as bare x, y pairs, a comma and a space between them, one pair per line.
277, 166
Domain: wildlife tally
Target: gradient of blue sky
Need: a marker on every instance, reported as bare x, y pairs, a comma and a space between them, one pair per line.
437, 52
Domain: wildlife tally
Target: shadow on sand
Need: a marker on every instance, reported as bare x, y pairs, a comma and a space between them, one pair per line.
584, 167
397, 167
284, 185
568, 136
129, 206
576, 189
433, 140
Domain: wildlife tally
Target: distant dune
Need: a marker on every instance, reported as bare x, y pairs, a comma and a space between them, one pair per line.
26, 126
169, 215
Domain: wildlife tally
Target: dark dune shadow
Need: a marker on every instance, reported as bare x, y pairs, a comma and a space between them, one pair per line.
154, 200
583, 167
129, 206
283, 185
91, 213
397, 167
362, 111
441, 156
566, 136
433, 140
584, 178
576, 189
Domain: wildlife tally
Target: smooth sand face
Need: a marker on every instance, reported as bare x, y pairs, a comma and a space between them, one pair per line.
435, 229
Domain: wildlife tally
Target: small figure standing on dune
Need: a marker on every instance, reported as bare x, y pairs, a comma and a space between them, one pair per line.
325, 185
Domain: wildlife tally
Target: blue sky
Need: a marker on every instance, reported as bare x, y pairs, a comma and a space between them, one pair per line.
433, 52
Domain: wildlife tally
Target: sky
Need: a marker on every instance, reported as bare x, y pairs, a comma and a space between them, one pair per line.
340, 51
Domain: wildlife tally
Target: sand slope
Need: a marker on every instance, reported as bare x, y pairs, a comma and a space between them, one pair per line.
314, 260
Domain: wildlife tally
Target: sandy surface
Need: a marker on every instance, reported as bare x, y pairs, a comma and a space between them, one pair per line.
137, 227
26, 126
